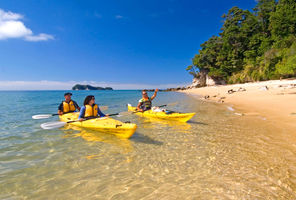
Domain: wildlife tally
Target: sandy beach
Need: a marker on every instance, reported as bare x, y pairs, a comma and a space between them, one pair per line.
273, 100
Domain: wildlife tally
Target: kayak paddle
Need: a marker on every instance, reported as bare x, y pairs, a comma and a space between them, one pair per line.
52, 125
45, 116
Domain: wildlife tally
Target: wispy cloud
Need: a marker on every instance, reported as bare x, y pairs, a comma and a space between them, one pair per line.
11, 26
118, 17
40, 37
60, 85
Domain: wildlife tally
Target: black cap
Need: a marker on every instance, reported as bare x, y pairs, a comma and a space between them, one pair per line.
68, 93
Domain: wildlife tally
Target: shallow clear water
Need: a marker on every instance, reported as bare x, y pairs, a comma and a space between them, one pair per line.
216, 155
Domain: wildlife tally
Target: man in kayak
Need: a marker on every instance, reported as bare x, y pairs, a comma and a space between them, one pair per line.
90, 109
68, 105
146, 103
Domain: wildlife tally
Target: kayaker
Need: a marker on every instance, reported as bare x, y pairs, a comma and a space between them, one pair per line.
68, 105
146, 102
90, 109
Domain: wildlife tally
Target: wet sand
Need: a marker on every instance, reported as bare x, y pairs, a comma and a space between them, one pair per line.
273, 100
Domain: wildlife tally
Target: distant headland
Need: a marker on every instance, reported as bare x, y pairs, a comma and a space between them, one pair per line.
89, 87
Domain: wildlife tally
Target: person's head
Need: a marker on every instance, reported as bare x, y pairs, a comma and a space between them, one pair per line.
144, 94
89, 100
67, 96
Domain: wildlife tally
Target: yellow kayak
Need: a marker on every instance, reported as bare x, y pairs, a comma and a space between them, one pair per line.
103, 124
174, 116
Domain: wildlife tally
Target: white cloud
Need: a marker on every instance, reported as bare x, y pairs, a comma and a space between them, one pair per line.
12, 27
9, 15
59, 85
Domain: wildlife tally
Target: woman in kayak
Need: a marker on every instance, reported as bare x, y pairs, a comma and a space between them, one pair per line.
146, 102
90, 109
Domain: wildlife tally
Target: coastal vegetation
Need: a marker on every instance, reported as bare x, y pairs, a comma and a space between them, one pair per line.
89, 87
252, 45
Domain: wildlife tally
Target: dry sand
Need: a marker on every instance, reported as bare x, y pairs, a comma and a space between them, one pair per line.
273, 100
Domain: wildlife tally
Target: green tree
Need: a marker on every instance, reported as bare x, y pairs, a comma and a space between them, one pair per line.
238, 28
251, 46
283, 22
263, 10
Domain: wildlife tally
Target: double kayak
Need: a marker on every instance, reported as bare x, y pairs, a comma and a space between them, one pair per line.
174, 116
102, 124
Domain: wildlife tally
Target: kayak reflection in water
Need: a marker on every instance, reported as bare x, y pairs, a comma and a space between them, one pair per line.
68, 105
90, 109
146, 102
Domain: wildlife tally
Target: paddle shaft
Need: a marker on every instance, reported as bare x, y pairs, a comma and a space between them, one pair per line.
52, 125
91, 118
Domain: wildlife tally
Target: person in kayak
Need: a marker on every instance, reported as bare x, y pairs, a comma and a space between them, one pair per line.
68, 105
90, 109
146, 102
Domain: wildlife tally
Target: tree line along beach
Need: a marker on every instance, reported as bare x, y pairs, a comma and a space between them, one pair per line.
251, 64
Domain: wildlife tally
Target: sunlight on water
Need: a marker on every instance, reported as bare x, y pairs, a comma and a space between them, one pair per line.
216, 155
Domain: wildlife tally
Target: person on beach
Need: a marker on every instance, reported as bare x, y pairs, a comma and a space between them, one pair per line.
68, 105
146, 102
90, 109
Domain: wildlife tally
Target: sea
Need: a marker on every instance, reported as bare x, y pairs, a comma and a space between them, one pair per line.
218, 154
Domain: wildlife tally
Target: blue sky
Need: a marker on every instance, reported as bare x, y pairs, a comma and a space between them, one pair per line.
125, 44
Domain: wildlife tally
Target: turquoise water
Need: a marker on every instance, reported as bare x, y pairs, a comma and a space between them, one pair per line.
216, 155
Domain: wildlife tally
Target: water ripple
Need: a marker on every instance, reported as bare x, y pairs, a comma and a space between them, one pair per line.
217, 155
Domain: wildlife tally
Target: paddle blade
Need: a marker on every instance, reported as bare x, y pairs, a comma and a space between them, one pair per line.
45, 116
52, 125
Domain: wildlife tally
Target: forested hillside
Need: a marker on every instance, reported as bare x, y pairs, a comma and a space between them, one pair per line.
252, 45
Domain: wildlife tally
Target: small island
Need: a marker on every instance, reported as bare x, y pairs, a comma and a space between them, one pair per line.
89, 87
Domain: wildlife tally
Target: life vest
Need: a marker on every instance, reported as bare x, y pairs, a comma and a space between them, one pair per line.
146, 104
91, 111
68, 107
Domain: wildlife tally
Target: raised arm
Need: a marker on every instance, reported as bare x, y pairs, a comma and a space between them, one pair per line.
155, 93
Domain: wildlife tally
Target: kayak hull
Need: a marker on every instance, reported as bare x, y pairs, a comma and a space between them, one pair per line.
102, 124
175, 116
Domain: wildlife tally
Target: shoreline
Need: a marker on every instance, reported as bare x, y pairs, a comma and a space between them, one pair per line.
273, 100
